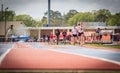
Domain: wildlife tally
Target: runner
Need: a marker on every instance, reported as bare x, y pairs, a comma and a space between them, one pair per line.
57, 33
80, 33
69, 35
64, 33
74, 35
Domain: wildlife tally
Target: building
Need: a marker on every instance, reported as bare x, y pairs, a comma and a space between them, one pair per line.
89, 30
38, 32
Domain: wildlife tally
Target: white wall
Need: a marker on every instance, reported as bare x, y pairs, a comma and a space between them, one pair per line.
20, 30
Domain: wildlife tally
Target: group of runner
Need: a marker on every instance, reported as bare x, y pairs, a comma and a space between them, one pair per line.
75, 35
78, 34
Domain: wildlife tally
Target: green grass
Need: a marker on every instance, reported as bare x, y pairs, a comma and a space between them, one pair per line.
104, 46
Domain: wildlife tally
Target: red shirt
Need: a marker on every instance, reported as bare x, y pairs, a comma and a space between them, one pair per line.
51, 36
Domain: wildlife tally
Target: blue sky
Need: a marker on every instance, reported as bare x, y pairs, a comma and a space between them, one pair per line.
36, 8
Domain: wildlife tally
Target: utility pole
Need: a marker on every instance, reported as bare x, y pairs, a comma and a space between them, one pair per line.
5, 20
2, 11
48, 12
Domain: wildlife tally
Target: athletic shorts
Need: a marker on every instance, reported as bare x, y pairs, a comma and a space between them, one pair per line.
74, 35
64, 36
79, 34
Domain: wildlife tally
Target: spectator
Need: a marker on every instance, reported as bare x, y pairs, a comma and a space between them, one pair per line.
44, 38
98, 30
51, 38
48, 38
98, 35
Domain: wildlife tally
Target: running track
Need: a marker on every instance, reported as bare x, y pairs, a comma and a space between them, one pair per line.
41, 56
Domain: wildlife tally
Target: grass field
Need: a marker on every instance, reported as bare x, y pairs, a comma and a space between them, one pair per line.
104, 46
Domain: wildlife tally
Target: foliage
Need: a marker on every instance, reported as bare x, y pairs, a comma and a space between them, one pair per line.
44, 20
68, 19
114, 20
102, 15
55, 18
83, 17
9, 15
27, 19
104, 46
69, 15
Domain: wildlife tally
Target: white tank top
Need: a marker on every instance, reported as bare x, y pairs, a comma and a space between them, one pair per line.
74, 31
80, 29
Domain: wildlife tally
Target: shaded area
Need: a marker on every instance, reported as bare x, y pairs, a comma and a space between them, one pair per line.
38, 46
4, 48
115, 56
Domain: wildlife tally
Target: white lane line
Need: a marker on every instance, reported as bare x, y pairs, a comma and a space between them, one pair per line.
103, 59
4, 55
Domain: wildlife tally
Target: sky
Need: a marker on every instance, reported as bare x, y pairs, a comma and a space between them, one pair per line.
37, 8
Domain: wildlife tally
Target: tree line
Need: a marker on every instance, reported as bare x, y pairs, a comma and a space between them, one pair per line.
69, 19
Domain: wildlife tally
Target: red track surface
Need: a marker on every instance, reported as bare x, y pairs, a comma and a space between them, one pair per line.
25, 57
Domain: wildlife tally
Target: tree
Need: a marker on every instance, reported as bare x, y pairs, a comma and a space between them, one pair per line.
83, 17
55, 18
9, 15
69, 15
27, 19
44, 20
102, 15
114, 20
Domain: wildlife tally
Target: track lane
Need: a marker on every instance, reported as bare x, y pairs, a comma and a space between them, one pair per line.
26, 57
